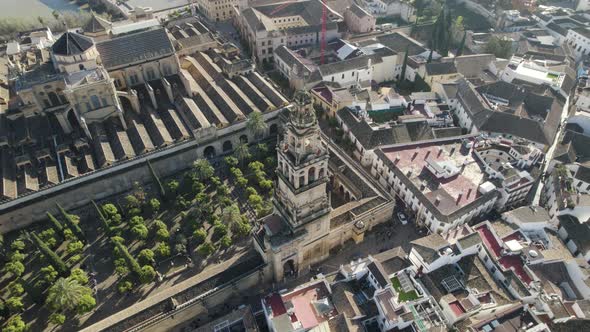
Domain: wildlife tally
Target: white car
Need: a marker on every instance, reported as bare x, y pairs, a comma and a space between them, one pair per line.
402, 218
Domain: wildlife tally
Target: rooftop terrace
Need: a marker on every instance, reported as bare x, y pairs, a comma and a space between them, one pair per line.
446, 173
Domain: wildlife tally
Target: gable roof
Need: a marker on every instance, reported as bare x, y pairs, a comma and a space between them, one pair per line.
429, 246
486, 119
71, 43
441, 68
96, 24
399, 42
376, 269
514, 94
433, 241
371, 138
358, 11
136, 47
577, 231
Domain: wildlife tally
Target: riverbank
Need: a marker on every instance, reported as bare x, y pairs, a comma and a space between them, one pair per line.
32, 9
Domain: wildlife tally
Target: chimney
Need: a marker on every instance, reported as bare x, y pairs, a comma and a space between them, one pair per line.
396, 159
437, 200
459, 198
427, 154
415, 155
469, 192
440, 151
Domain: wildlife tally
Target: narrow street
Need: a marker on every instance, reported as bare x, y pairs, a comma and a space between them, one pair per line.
549, 155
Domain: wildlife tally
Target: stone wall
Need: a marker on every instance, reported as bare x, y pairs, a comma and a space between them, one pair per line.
188, 307
119, 178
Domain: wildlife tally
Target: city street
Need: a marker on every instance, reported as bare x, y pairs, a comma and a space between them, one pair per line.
549, 155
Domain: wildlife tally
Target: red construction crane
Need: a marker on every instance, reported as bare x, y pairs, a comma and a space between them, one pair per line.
324, 23
280, 7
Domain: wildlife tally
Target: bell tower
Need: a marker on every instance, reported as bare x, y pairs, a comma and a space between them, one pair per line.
300, 196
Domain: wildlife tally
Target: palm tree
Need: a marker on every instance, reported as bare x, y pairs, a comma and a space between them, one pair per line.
256, 124
65, 294
242, 152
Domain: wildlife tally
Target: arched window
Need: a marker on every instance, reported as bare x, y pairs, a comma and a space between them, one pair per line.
311, 175
95, 101
274, 129
227, 146
209, 152
53, 98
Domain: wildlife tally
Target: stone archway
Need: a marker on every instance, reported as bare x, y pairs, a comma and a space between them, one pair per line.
274, 129
227, 146
289, 268
73, 119
209, 152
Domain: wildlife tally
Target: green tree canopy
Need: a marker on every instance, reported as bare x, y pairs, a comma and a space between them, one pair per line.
500, 47
140, 231
66, 294
57, 318
256, 124
200, 235
242, 152
146, 257
203, 169
15, 324
50, 255
80, 276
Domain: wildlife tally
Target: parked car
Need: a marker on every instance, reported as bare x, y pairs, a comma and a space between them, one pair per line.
402, 218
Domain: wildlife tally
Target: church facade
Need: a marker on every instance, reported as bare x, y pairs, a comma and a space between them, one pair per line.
305, 225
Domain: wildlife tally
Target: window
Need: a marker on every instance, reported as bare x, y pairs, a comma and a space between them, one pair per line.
150, 74
95, 101
133, 79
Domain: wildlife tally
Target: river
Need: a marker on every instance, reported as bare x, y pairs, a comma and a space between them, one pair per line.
32, 9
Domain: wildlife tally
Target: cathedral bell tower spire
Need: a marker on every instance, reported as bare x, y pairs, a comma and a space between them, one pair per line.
302, 166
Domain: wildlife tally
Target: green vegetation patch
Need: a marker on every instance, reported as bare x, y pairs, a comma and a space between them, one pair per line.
386, 115
403, 296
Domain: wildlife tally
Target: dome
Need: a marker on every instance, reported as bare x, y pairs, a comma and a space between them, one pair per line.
71, 43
